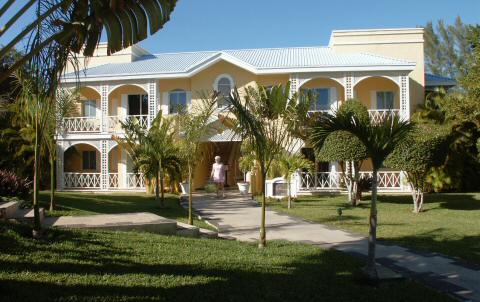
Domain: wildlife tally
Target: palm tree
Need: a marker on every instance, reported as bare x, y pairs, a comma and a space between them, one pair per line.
194, 124
269, 119
288, 164
78, 25
380, 139
153, 151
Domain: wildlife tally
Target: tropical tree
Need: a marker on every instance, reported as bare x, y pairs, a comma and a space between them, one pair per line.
380, 139
347, 149
78, 25
288, 164
423, 149
270, 120
193, 124
153, 151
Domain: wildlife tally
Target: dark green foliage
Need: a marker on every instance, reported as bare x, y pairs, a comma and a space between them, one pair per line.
11, 185
342, 146
355, 107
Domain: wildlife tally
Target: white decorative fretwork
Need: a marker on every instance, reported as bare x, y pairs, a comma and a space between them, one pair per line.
404, 98
104, 106
293, 84
135, 180
81, 124
152, 101
104, 165
349, 86
81, 180
113, 180
378, 115
386, 179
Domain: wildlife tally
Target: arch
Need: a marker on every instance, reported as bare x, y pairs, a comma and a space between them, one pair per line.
364, 78
91, 89
83, 143
372, 91
330, 92
302, 82
112, 144
126, 85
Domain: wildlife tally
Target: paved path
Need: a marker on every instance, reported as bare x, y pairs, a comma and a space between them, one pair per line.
239, 217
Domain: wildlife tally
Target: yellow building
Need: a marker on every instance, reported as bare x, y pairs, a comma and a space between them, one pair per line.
382, 68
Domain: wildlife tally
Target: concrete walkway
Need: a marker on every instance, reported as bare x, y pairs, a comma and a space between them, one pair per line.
239, 217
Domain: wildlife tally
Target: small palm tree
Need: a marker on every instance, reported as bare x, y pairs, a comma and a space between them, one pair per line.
380, 139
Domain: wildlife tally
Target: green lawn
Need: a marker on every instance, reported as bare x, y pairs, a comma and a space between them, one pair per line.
75, 204
450, 223
91, 265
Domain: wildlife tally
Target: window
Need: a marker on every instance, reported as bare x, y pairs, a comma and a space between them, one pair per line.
177, 101
321, 99
224, 85
90, 108
89, 159
385, 100
137, 104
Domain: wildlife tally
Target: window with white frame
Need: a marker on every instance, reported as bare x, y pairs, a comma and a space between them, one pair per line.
137, 104
385, 100
89, 160
224, 85
177, 100
321, 99
90, 108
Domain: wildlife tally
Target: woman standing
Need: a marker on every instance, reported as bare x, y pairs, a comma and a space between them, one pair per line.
218, 175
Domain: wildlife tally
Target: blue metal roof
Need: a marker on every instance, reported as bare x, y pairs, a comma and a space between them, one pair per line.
432, 80
256, 59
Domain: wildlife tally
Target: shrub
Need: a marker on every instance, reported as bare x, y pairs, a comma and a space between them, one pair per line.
12, 185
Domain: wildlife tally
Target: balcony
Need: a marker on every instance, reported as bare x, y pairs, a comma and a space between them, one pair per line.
83, 124
378, 115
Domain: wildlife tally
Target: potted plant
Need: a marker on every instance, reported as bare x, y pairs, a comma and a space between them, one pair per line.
246, 164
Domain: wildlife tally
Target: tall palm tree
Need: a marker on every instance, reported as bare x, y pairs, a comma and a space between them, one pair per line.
269, 119
380, 139
78, 25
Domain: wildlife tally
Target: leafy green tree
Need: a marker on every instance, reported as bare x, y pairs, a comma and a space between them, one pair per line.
78, 25
347, 149
423, 150
193, 124
269, 119
380, 140
447, 49
153, 151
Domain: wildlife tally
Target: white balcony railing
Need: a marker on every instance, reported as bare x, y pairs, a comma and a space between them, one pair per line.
81, 124
325, 181
74, 180
378, 115
113, 180
135, 180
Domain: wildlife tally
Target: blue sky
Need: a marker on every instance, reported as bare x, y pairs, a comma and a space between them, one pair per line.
227, 24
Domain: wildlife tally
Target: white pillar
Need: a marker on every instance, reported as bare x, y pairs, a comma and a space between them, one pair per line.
104, 107
152, 101
104, 178
122, 169
60, 169
404, 97
294, 81
348, 86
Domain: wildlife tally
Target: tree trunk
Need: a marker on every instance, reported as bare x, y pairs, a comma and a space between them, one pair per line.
190, 196
52, 183
157, 189
417, 196
37, 226
162, 194
263, 235
356, 177
289, 195
371, 269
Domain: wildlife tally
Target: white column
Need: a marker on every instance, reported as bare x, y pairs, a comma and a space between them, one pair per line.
404, 97
152, 101
104, 181
294, 81
348, 86
60, 174
122, 170
104, 107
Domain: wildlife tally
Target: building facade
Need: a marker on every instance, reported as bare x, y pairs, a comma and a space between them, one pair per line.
383, 69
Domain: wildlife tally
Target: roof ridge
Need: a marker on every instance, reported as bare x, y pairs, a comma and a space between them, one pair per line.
384, 57
238, 49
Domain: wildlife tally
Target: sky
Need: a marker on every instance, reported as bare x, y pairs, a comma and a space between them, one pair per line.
227, 24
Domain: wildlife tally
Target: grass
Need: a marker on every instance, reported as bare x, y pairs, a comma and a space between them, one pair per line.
79, 204
90, 265
450, 223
